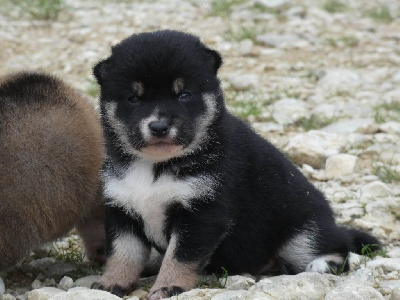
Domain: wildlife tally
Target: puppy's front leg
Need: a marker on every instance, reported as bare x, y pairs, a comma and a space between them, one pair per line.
124, 265
174, 277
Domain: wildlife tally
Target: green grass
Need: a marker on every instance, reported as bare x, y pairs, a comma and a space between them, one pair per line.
369, 252
92, 89
223, 8
72, 254
41, 9
387, 112
241, 33
380, 13
335, 6
386, 174
314, 122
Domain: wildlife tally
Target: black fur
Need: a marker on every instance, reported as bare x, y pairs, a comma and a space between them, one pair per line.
259, 199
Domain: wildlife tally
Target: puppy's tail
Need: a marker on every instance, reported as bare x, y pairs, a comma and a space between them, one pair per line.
364, 243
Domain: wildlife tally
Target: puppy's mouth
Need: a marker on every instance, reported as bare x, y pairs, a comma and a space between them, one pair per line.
161, 148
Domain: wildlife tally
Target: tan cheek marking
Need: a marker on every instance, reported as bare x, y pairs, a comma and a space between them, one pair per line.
178, 85
138, 88
174, 273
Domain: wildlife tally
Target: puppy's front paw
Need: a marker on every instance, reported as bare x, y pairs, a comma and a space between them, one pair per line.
165, 292
114, 289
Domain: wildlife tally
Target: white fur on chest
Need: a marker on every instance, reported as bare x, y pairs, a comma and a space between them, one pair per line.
138, 191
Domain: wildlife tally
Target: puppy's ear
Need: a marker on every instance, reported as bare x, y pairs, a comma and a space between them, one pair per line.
100, 70
215, 59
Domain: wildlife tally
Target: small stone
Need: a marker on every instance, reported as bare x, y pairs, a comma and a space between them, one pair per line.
339, 81
365, 126
387, 264
307, 285
141, 294
340, 165
239, 282
394, 253
7, 297
284, 41
313, 147
246, 47
42, 263
233, 295
395, 294
386, 287
198, 294
2, 286
288, 111
87, 281
353, 292
242, 82
390, 127
66, 283
36, 284
44, 293
375, 189
85, 295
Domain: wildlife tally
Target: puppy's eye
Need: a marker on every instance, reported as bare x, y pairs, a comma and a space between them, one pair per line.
185, 96
133, 99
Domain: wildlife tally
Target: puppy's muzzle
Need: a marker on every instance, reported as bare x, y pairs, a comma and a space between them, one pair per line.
159, 128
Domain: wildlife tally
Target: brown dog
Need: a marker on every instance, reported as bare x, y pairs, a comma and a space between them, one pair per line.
50, 160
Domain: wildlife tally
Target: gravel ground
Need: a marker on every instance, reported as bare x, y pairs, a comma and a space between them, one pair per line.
319, 79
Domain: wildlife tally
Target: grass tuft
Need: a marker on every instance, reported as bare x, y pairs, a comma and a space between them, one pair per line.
386, 174
74, 253
314, 122
241, 33
380, 13
335, 6
370, 252
41, 9
223, 8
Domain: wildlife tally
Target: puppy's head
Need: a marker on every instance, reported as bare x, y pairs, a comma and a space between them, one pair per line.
160, 93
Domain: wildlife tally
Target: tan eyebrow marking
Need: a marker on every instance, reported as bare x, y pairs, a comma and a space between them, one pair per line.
177, 85
138, 88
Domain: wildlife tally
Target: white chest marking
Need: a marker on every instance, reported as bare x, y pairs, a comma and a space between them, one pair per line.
138, 191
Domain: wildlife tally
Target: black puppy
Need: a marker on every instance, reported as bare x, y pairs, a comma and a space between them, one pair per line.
186, 177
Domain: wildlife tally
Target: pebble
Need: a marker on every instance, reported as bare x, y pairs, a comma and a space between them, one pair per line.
44, 293
289, 110
340, 165
65, 283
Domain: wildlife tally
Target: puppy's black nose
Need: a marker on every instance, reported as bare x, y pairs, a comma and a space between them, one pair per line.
159, 128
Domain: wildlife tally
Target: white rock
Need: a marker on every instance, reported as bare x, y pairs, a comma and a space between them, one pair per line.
340, 165
232, 295
395, 294
396, 77
238, 282
354, 292
313, 147
289, 110
2, 286
7, 297
395, 253
87, 281
242, 82
42, 263
387, 264
284, 41
198, 294
339, 80
246, 47
375, 189
366, 126
85, 295
362, 276
300, 286
386, 287
44, 293
36, 284
66, 283
267, 127
390, 127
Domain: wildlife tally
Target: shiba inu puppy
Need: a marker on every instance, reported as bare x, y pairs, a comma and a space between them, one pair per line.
186, 177
50, 162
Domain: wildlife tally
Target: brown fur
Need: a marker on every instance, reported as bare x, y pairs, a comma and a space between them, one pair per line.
50, 160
